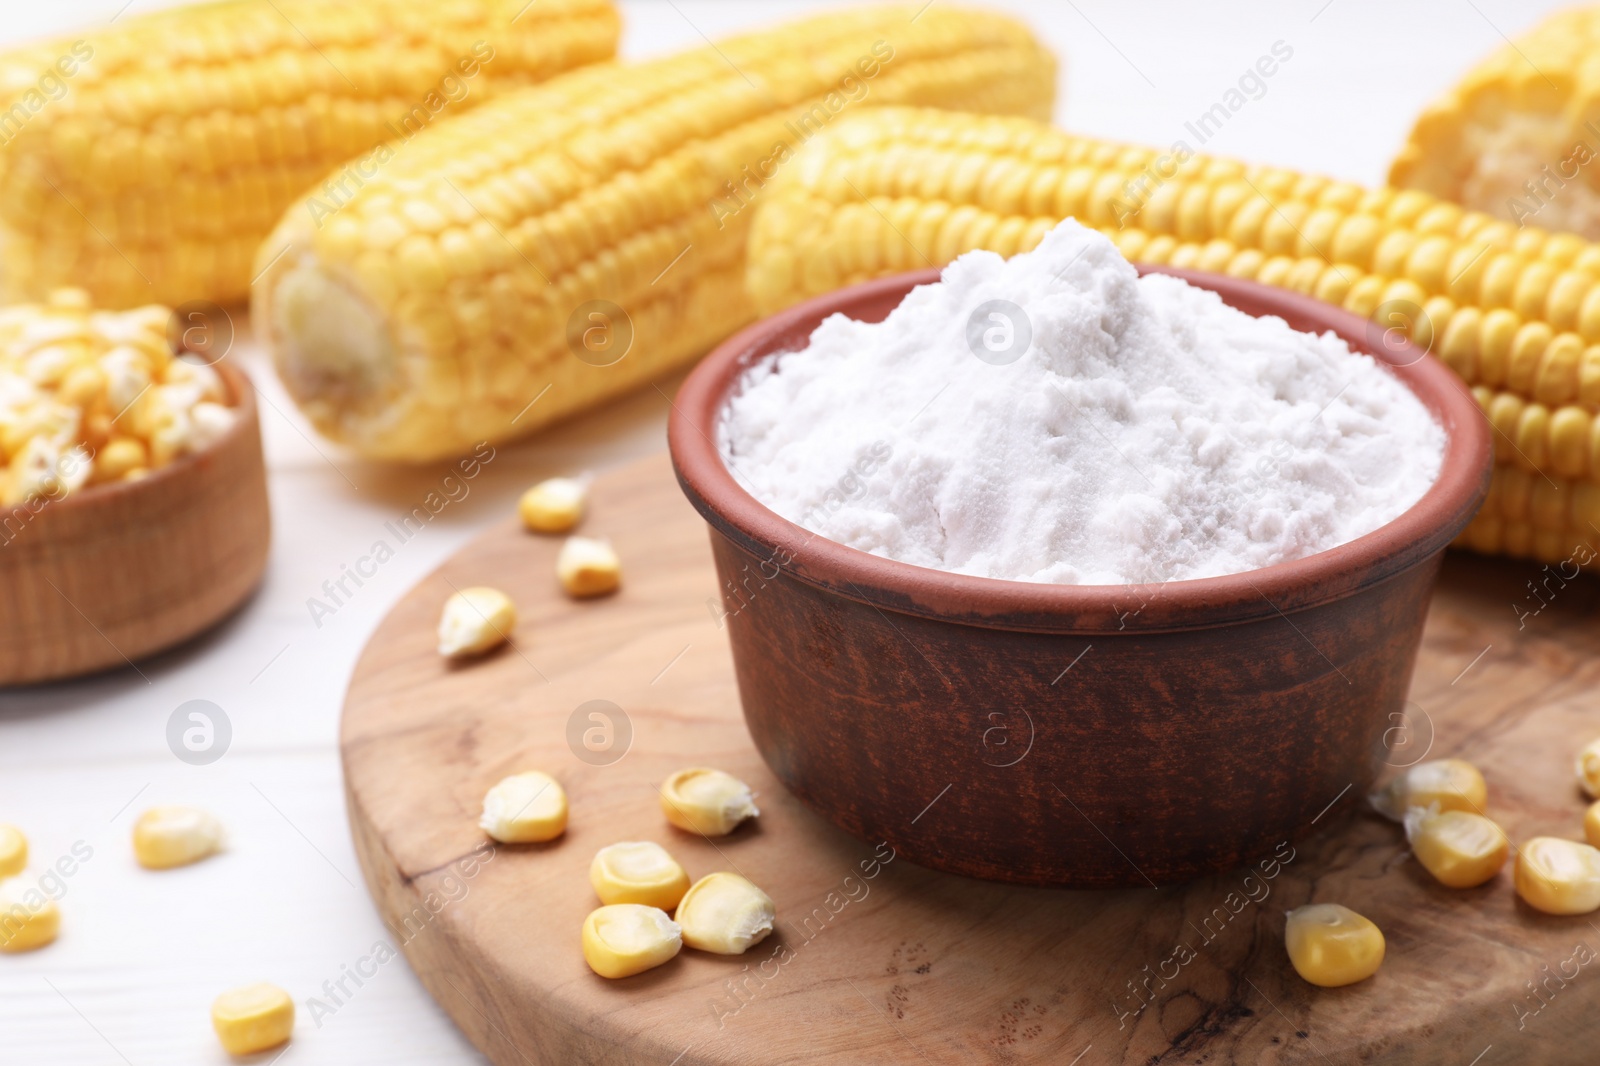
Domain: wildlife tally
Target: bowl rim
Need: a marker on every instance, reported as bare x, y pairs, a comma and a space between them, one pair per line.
243, 394
1418, 534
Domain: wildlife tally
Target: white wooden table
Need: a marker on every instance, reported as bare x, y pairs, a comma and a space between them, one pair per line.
141, 955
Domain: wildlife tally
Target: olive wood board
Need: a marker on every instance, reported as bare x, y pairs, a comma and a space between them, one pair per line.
878, 961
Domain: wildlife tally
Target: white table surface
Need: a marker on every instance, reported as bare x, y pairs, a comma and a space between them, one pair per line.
141, 955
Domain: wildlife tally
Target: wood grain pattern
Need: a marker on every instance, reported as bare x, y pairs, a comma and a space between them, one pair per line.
113, 573
907, 965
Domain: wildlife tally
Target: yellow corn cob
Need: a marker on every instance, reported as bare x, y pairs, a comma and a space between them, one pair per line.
1533, 516
146, 161
1518, 137
582, 237
1515, 312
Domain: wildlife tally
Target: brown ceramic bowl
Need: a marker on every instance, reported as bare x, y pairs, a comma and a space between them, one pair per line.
1088, 735
113, 573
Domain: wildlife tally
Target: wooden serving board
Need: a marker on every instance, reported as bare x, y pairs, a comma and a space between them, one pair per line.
878, 961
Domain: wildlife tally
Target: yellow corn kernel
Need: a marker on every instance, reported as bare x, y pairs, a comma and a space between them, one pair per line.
118, 457
475, 620
28, 919
1459, 848
81, 385
622, 939
1559, 876
1589, 768
1331, 945
587, 566
254, 1018
709, 802
638, 872
1453, 784
725, 914
554, 505
13, 851
165, 837
1591, 823
527, 808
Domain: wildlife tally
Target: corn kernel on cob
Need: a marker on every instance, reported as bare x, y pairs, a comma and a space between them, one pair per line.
1517, 137
147, 160
1515, 312
90, 397
584, 236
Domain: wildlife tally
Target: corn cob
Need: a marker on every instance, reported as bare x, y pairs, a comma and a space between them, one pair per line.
1518, 137
1515, 312
146, 162
585, 236
1532, 516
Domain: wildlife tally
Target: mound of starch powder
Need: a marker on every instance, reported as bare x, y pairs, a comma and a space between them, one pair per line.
1146, 431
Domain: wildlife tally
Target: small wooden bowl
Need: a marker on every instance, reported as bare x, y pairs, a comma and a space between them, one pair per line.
1086, 736
113, 573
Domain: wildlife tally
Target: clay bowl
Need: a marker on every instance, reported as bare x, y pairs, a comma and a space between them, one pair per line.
1086, 736
108, 575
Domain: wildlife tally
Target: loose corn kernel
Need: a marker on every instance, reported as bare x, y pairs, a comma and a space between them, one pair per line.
1591, 823
118, 457
1331, 945
588, 566
1459, 848
28, 919
13, 851
528, 808
1453, 784
708, 802
165, 837
474, 621
638, 872
622, 939
554, 505
254, 1018
1589, 768
725, 914
1559, 876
